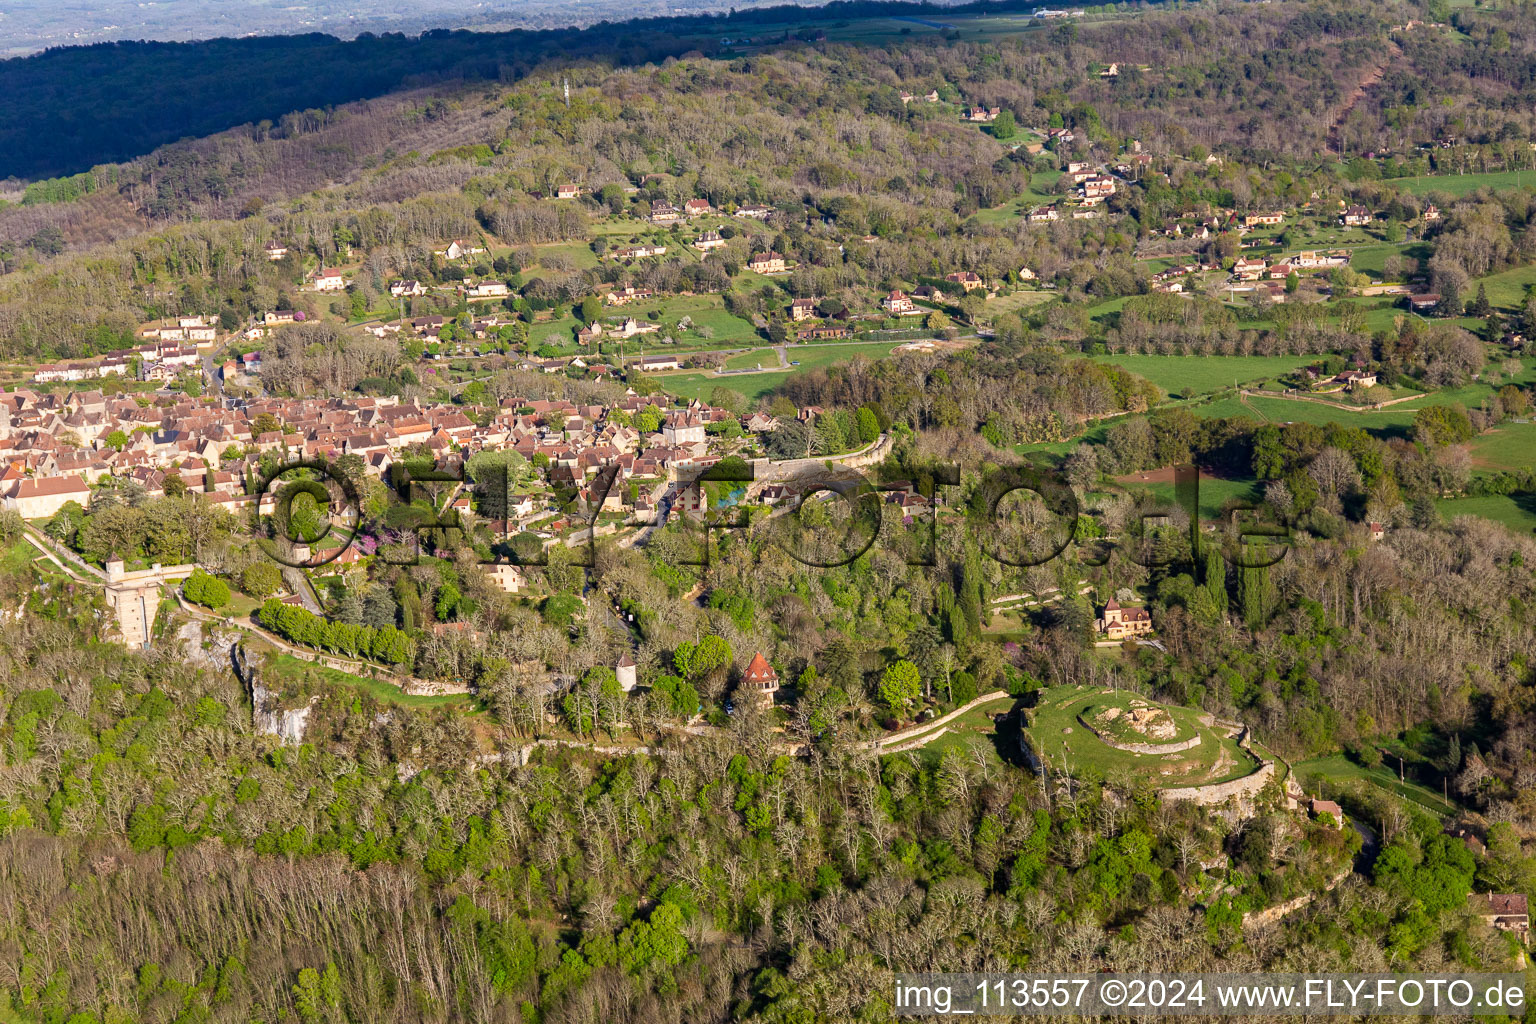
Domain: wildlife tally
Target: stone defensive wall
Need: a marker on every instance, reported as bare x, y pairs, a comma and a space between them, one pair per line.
1247, 788
1140, 748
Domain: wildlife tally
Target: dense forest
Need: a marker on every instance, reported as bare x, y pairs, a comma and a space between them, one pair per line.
70, 108
163, 858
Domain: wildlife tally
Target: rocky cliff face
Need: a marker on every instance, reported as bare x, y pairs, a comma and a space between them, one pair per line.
287, 724
268, 716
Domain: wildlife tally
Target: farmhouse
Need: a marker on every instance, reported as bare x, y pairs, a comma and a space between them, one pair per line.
822, 333
1312, 260
627, 294
897, 303
1355, 216
709, 240
330, 280
767, 263
1098, 186
1043, 214
1246, 269
1508, 912
802, 309
965, 279
1357, 379
637, 251
665, 213
485, 290
400, 289
276, 251
1261, 220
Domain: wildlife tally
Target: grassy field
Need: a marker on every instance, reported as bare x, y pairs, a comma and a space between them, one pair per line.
1039, 194
1108, 306
1205, 373
1511, 446
291, 668
1015, 301
756, 385
1395, 421
1518, 512
1461, 184
1340, 769
973, 730
1506, 290
1056, 733
1371, 258
706, 311
1214, 491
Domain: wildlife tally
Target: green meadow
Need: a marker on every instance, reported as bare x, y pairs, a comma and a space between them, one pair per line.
1462, 184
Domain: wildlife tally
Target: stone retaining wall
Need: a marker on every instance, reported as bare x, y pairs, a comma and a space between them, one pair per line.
1269, 915
1246, 787
1141, 748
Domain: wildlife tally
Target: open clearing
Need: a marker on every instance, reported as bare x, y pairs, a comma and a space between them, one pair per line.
1516, 511
1511, 446
291, 668
756, 385
1205, 373
1461, 184
1056, 733
1337, 768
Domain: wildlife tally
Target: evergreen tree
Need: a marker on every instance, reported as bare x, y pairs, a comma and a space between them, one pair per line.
969, 598
1480, 306
1257, 590
1216, 580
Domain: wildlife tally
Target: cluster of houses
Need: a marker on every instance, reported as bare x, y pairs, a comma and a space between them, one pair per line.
429, 326
1093, 186
1172, 279
212, 450
1255, 268
666, 213
165, 359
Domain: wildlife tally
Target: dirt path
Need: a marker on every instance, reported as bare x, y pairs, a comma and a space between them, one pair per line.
1291, 397
1335, 140
1242, 397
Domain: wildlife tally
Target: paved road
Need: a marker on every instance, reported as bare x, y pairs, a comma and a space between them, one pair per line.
298, 582
211, 374
1370, 845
